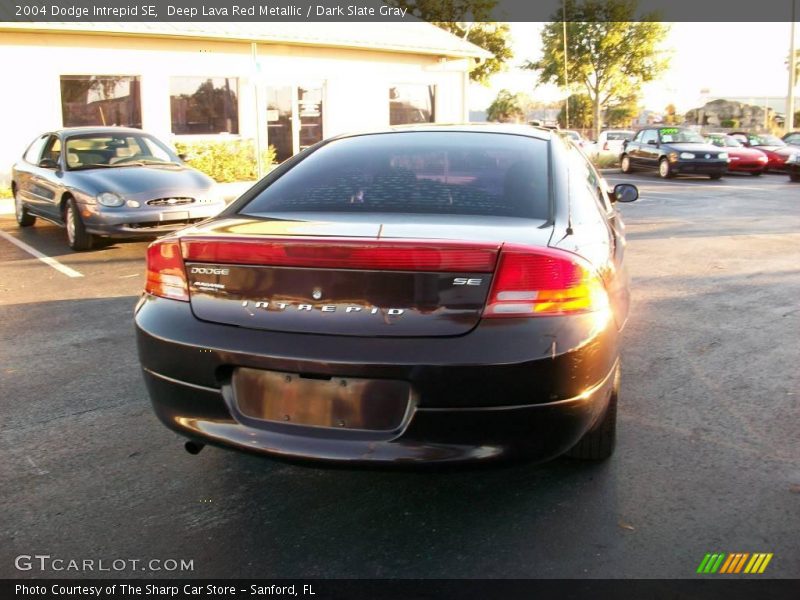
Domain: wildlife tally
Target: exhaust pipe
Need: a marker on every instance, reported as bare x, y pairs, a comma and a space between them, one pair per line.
193, 447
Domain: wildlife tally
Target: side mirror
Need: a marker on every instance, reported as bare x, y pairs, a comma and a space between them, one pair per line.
183, 156
625, 192
652, 142
48, 163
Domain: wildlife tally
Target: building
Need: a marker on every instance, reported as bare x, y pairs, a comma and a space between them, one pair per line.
284, 84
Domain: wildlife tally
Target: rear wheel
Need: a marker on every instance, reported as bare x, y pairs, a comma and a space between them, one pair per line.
664, 169
24, 218
598, 443
77, 236
625, 164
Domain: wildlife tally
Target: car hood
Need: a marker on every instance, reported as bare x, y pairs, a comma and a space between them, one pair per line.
744, 152
142, 182
689, 147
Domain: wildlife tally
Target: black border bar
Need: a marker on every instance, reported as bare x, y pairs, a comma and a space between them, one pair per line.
703, 587
370, 10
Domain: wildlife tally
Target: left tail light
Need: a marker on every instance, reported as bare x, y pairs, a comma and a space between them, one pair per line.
166, 276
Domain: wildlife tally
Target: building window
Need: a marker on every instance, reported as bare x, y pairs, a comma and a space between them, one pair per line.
412, 103
100, 100
204, 105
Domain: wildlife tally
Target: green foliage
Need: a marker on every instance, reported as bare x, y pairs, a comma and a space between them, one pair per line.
507, 108
621, 111
605, 161
229, 160
730, 123
580, 112
5, 191
471, 20
609, 53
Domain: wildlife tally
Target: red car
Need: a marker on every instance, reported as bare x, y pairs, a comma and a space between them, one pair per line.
775, 148
740, 158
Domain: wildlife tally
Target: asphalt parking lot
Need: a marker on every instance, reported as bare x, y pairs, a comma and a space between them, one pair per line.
708, 455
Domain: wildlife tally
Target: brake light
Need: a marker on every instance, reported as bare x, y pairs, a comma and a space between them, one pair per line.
166, 276
532, 282
432, 256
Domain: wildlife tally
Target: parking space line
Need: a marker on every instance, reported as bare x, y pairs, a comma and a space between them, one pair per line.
52, 262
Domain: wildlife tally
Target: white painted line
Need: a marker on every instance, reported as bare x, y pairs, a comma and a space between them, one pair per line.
52, 262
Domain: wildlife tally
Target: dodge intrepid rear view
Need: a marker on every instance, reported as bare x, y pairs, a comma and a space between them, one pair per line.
431, 294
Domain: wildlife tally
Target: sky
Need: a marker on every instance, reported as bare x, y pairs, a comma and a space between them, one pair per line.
727, 59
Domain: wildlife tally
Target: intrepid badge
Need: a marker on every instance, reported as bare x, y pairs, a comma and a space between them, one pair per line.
325, 308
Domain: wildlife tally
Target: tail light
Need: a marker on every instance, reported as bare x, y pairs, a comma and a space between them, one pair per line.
408, 255
532, 282
166, 276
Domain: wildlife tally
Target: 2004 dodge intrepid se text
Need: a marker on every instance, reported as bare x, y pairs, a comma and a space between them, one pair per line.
423, 294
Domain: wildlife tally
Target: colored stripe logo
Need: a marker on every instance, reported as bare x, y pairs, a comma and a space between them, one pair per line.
734, 563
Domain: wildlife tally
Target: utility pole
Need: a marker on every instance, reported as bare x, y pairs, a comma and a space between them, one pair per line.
792, 82
566, 71
256, 82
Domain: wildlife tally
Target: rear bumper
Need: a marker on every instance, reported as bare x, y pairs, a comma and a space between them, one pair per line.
502, 390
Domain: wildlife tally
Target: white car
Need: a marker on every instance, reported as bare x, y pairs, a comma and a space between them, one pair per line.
610, 141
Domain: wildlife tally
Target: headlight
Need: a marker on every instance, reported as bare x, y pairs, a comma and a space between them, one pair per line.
722, 155
763, 158
687, 155
110, 199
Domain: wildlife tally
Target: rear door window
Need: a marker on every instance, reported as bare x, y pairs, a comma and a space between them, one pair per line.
422, 172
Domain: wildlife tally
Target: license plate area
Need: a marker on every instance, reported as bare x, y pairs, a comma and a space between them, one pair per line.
342, 403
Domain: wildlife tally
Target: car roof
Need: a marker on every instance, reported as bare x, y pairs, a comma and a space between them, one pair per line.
68, 131
541, 133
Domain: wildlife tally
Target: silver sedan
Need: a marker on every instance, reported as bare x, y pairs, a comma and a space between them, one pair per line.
109, 182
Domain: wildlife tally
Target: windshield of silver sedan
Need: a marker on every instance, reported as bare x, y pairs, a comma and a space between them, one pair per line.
90, 151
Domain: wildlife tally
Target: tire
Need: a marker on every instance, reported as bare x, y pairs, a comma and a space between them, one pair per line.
77, 236
598, 443
715, 176
625, 165
664, 170
24, 218
756, 173
794, 177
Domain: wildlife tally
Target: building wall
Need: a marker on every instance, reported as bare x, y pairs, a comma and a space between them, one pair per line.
356, 82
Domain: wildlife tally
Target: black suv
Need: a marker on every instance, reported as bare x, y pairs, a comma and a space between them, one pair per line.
672, 151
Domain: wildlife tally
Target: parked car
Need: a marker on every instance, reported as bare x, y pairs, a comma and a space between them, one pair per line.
776, 149
792, 138
740, 158
610, 142
672, 151
421, 294
577, 139
109, 182
793, 167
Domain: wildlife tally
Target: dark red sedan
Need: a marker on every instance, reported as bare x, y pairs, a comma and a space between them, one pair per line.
775, 148
740, 158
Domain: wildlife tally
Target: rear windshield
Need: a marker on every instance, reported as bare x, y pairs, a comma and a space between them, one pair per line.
619, 135
459, 173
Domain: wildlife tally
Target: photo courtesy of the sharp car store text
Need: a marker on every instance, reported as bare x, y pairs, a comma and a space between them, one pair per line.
399, 299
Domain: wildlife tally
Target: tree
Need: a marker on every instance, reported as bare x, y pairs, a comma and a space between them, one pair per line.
670, 115
580, 112
621, 111
507, 108
470, 20
609, 54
